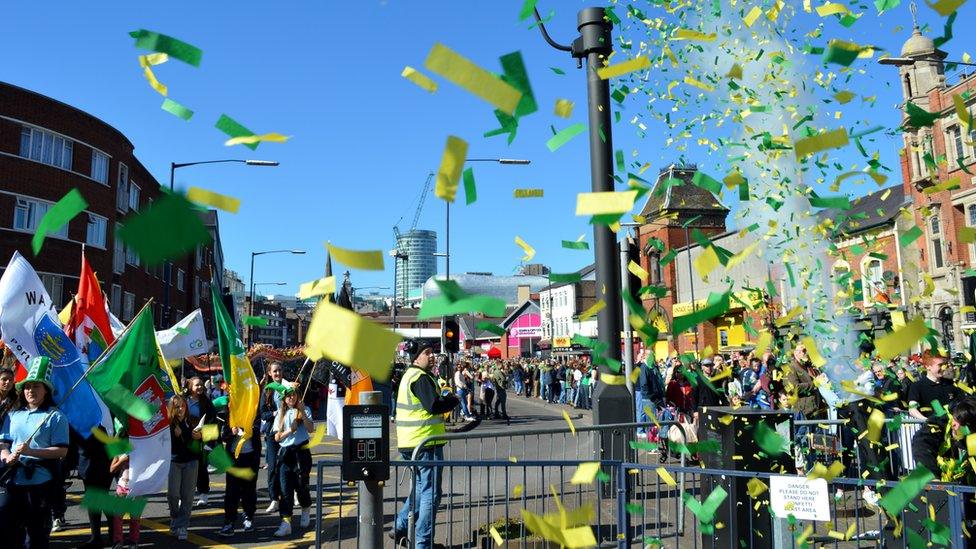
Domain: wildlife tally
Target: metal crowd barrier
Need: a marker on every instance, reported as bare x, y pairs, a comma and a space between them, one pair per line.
635, 506
900, 458
852, 523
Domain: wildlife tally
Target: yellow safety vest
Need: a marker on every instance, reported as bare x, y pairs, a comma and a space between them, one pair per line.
413, 422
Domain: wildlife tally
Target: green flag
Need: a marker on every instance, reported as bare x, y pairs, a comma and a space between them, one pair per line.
128, 365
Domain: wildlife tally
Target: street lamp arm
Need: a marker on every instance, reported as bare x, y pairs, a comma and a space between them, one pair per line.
240, 161
279, 252
545, 34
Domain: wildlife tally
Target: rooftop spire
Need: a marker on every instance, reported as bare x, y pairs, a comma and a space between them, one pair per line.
914, 9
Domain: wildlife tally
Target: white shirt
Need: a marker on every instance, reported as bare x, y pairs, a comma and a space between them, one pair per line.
577, 375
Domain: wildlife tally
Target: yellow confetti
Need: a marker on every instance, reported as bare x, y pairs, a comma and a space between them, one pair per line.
784, 320
593, 310
585, 473
815, 357
763, 343
756, 487
605, 202
476, 80
210, 432
317, 437
961, 111
706, 262
971, 444
564, 108
518, 490
688, 34
210, 198
529, 250
699, 84
572, 428
579, 537
832, 8
496, 536
735, 72
665, 476
452, 163
897, 342
152, 59
638, 271
727, 419
243, 473
344, 336
638, 63
827, 140
155, 84
368, 261
946, 7
528, 193
318, 287
876, 422
751, 17
252, 139
419, 78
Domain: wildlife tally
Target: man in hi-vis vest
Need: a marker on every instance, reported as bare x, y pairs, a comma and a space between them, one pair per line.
419, 414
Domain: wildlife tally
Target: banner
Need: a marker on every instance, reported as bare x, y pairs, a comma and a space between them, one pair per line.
29, 326
88, 325
188, 337
131, 380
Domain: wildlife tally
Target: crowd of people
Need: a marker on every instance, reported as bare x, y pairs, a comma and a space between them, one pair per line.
39, 455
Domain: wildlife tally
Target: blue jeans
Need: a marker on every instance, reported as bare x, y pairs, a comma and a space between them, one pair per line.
544, 388
462, 394
271, 458
518, 386
639, 402
427, 492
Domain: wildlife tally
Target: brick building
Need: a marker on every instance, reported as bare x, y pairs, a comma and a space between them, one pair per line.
935, 160
48, 148
674, 209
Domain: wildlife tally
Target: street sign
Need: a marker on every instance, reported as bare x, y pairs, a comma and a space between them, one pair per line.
801, 497
366, 446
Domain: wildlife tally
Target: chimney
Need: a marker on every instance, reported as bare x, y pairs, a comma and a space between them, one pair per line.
523, 294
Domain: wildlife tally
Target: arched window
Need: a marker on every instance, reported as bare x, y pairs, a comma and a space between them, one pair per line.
872, 279
908, 85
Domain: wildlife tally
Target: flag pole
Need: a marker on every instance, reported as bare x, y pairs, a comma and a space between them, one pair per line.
75, 386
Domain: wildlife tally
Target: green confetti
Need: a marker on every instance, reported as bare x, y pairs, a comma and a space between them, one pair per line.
220, 402
909, 236
470, 190
490, 327
567, 278
701, 179
176, 109
838, 202
715, 308
705, 511
515, 74
841, 53
744, 191
634, 509
898, 497
171, 215
177, 49
574, 245
561, 138
232, 128
220, 459
919, 117
557, 70
258, 321
527, 8
769, 441
442, 306
97, 500
57, 216
885, 5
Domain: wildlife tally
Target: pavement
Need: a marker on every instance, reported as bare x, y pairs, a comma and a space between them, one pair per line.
526, 414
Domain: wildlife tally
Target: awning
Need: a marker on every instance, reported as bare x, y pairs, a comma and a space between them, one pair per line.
494, 353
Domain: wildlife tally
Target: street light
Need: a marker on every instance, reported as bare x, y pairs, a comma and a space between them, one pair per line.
447, 236
250, 308
173, 166
908, 61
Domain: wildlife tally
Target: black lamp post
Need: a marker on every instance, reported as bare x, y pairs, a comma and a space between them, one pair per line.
250, 307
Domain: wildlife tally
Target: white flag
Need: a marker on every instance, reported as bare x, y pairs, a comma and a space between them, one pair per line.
188, 337
29, 326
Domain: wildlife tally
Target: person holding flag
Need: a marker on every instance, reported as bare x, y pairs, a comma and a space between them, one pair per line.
33, 437
294, 462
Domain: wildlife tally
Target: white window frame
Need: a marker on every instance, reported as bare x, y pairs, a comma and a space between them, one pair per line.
131, 257
46, 147
115, 300
181, 280
867, 282
134, 192
118, 252
122, 189
97, 222
128, 306
33, 211
933, 236
99, 167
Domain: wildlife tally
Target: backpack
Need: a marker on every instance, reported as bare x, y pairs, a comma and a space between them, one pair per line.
654, 384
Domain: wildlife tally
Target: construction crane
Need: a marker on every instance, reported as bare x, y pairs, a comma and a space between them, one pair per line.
397, 254
416, 216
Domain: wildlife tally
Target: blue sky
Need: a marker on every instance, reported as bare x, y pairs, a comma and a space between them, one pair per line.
364, 138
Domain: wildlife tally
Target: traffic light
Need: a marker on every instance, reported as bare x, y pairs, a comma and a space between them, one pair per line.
451, 333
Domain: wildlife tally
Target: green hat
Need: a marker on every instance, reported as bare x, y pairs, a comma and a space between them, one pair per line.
39, 371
